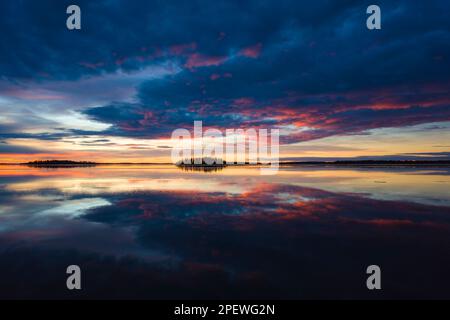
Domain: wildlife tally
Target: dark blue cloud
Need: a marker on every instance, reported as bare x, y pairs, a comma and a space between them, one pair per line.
7, 148
253, 63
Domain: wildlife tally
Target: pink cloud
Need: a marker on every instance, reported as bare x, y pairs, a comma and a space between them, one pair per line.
252, 51
149, 119
196, 60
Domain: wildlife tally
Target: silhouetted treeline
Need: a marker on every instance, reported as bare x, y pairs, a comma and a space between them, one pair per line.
374, 162
201, 162
60, 163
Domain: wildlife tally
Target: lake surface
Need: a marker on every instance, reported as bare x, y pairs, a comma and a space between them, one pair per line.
160, 232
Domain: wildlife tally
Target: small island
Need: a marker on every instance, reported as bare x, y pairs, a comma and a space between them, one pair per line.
201, 164
60, 164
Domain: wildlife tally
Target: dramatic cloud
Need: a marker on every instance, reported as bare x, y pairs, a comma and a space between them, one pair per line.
146, 68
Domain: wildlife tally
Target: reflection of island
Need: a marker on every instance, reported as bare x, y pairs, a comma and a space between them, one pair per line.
60, 164
201, 168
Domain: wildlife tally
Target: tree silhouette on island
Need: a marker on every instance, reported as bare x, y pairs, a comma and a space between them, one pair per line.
60, 163
201, 162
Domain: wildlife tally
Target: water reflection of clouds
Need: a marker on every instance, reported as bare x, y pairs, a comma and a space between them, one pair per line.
422, 186
273, 240
75, 208
182, 236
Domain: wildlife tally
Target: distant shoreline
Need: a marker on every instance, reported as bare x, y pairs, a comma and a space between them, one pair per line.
345, 163
372, 163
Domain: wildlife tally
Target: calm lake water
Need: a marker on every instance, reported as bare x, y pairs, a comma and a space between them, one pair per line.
160, 232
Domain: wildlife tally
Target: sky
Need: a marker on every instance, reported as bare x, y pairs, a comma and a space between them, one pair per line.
115, 90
